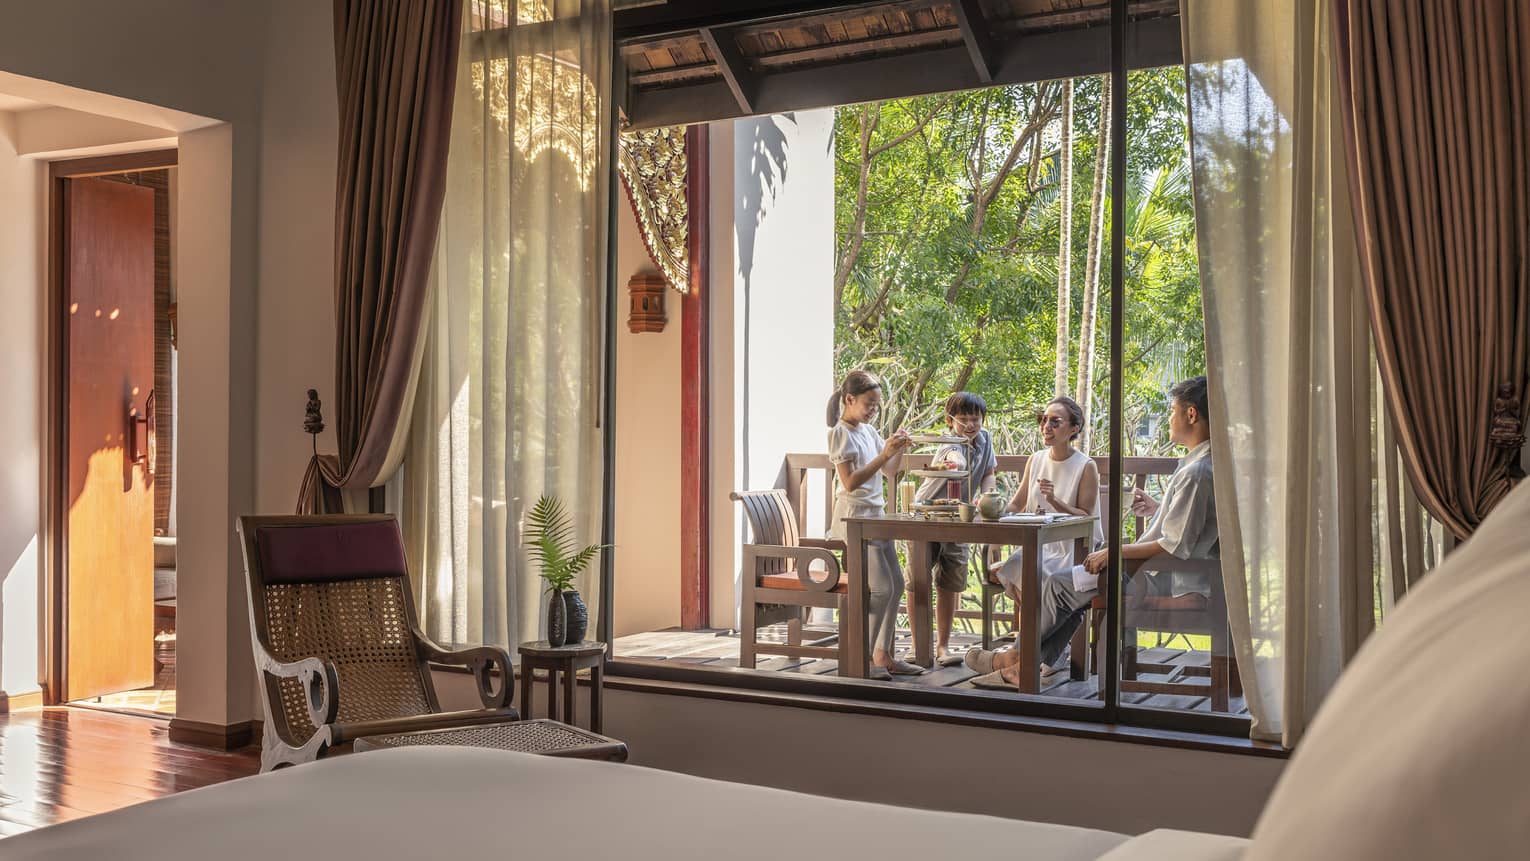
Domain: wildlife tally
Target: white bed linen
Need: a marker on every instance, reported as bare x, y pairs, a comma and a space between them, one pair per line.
465, 803
1180, 846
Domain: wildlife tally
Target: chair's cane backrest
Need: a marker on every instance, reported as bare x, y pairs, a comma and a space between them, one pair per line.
335, 587
771, 521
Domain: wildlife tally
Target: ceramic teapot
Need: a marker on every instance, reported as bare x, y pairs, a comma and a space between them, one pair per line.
990, 505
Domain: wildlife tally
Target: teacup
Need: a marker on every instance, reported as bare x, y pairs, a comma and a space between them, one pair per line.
966, 512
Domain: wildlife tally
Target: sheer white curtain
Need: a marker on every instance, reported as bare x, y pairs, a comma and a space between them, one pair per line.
1287, 350
509, 397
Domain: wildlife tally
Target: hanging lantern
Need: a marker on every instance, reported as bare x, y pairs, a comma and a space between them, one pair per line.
647, 314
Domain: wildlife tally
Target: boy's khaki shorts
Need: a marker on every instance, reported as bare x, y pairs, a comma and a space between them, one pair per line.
948, 564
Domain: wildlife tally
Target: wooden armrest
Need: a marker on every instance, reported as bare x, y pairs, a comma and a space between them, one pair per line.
321, 684
482, 660
823, 543
802, 557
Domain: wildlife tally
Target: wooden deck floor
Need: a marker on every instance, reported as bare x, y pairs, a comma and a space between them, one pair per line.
719, 648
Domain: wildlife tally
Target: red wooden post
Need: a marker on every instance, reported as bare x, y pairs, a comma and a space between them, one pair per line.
695, 408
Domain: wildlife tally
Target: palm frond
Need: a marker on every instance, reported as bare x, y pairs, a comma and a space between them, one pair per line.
579, 561
549, 541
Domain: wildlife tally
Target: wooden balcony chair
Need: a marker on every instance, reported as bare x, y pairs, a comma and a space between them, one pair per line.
778, 585
1174, 616
991, 594
336, 642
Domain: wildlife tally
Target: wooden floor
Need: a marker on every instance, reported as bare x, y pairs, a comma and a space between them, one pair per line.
719, 648
58, 764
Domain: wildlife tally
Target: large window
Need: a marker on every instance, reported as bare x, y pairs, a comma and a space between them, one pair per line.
951, 243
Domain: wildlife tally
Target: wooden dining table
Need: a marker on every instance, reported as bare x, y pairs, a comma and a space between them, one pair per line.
919, 532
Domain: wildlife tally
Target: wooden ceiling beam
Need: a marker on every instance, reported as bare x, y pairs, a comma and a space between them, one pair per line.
694, 73
679, 16
919, 39
1039, 57
977, 36
733, 66
1084, 17
681, 75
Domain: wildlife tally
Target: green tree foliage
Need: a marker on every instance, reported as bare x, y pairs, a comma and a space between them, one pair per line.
947, 219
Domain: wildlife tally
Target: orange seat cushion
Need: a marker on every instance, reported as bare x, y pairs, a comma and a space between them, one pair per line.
790, 581
1193, 601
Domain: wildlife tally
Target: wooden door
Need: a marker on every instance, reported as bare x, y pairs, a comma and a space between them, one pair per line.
109, 553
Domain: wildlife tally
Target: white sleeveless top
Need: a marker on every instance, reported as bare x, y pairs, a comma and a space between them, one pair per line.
1057, 557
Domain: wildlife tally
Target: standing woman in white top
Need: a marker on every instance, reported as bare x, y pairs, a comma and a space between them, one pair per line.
1058, 478
860, 457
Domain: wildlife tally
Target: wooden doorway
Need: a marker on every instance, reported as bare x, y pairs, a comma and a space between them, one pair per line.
108, 250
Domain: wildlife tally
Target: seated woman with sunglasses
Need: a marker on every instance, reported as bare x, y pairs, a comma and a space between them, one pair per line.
1057, 478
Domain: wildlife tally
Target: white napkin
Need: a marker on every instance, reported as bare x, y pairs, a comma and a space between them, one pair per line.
1083, 581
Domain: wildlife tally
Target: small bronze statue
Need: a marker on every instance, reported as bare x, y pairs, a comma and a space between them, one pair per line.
313, 418
1506, 432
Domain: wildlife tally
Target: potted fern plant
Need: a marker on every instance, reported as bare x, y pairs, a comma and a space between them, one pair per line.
550, 542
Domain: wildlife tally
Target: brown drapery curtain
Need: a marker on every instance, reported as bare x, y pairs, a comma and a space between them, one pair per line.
395, 72
1436, 126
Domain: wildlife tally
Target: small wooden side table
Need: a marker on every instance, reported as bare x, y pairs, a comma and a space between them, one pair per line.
568, 659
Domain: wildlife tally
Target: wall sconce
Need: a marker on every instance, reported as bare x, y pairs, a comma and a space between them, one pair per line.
647, 314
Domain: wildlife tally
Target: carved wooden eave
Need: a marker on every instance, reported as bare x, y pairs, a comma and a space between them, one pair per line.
652, 164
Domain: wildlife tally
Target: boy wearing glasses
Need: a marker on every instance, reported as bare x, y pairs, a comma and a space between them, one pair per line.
965, 413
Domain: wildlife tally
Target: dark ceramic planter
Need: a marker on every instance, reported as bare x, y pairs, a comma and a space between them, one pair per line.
577, 616
557, 620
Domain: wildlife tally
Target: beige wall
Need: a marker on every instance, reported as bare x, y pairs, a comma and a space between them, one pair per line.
296, 313
1124, 787
212, 650
56, 133
255, 290
726, 379
646, 579
22, 244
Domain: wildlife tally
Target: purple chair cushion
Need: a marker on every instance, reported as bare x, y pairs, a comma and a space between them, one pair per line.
331, 552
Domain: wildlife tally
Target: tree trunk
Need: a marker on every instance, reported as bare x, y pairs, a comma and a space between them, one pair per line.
1087, 323
857, 237
870, 118
908, 403
1064, 243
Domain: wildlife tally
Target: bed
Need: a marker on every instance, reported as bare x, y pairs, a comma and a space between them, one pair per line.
1416, 754
440, 802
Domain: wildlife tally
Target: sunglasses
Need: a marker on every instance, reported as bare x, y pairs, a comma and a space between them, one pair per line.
1050, 421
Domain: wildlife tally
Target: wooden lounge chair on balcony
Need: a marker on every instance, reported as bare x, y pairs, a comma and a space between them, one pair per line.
778, 585
1177, 616
340, 655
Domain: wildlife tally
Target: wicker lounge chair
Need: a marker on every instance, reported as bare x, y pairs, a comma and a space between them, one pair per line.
333, 630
